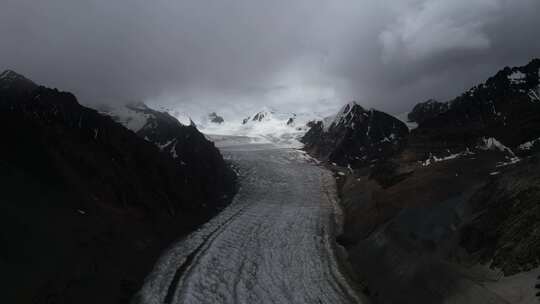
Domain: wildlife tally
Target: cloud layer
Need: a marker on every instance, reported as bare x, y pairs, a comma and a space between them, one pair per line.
238, 55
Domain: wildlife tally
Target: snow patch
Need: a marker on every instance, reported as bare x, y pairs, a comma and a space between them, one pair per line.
492, 143
517, 77
183, 118
510, 161
529, 145
10, 76
165, 145
327, 122
129, 117
403, 117
173, 152
434, 159
534, 94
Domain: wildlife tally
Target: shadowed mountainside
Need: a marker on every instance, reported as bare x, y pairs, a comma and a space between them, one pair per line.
452, 215
87, 204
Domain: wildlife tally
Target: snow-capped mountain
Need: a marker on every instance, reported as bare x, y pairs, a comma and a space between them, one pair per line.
265, 125
13, 81
184, 143
356, 136
269, 118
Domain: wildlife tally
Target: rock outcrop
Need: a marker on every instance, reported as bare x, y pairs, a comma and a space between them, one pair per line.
214, 118
426, 111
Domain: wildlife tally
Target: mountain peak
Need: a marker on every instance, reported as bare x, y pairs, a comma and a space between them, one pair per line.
345, 116
10, 75
11, 79
352, 105
215, 118
264, 114
356, 136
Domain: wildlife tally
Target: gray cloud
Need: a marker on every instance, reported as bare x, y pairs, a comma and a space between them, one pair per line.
238, 55
439, 26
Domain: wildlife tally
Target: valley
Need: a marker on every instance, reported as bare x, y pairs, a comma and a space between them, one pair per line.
275, 243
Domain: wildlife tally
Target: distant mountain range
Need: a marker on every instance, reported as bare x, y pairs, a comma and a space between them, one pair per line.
265, 125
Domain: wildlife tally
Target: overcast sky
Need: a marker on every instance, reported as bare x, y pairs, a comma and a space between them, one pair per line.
239, 55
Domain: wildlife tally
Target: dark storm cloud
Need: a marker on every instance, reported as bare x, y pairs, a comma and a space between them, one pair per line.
439, 48
305, 54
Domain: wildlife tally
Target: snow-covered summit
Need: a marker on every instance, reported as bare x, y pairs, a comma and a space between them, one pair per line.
263, 115
344, 116
266, 124
5, 74
356, 136
10, 75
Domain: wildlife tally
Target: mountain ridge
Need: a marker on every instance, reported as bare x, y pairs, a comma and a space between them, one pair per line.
97, 202
455, 206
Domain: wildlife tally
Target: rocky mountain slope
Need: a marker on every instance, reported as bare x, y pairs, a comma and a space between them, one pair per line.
356, 137
427, 110
506, 107
184, 143
452, 216
88, 204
